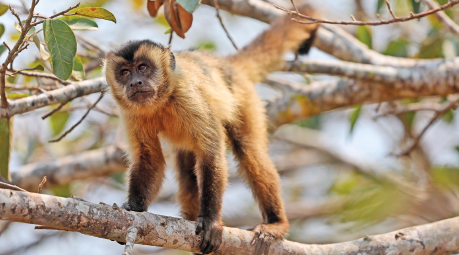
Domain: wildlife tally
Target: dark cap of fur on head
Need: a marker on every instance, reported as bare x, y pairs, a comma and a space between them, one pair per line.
128, 50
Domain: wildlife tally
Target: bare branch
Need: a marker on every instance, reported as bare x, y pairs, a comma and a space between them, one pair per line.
394, 19
449, 23
56, 15
66, 94
41, 75
96, 219
79, 122
53, 110
217, 8
446, 108
93, 163
4, 185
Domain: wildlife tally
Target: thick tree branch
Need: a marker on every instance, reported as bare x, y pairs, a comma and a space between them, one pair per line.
439, 73
100, 162
113, 223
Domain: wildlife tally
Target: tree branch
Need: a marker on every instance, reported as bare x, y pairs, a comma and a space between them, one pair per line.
417, 77
103, 221
70, 92
444, 19
100, 162
394, 19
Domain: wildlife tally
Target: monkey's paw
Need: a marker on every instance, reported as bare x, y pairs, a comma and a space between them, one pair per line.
211, 233
265, 235
129, 206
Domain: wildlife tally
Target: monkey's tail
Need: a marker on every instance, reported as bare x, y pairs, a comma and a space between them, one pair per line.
264, 54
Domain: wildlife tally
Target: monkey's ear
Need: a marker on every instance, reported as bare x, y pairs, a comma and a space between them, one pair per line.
171, 59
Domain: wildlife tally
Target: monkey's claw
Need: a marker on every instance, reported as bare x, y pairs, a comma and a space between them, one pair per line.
211, 233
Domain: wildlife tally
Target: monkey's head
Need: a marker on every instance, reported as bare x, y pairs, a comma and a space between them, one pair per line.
139, 73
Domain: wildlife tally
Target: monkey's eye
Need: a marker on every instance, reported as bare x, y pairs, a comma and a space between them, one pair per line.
125, 72
142, 67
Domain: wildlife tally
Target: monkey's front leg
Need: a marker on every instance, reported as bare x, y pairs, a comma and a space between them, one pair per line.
212, 171
146, 174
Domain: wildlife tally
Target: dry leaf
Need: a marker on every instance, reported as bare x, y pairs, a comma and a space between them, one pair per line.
186, 18
170, 12
153, 7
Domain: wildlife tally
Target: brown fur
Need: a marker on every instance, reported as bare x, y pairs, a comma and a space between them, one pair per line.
197, 102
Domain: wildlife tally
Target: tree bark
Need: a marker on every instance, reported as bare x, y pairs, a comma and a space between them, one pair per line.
114, 223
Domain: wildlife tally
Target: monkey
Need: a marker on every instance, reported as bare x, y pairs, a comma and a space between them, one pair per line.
200, 103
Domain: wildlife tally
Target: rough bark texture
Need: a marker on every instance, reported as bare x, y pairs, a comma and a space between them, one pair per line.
111, 222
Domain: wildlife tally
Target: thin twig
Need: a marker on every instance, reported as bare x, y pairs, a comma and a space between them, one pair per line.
437, 114
223, 25
4, 185
38, 74
170, 39
53, 110
56, 15
40, 187
390, 9
78, 123
444, 19
313, 20
49, 228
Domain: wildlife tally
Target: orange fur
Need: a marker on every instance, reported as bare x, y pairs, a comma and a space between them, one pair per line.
198, 102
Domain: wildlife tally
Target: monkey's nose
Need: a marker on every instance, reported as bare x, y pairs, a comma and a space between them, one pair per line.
137, 83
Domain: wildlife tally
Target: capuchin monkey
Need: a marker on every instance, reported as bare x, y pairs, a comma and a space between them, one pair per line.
200, 103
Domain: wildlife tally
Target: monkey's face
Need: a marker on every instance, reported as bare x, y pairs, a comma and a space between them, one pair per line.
137, 79
138, 73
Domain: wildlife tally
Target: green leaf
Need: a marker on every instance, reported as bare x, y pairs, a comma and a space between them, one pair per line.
397, 48
36, 68
5, 150
445, 176
63, 190
16, 96
432, 46
78, 69
2, 29
416, 4
62, 45
210, 46
80, 23
379, 5
96, 12
2, 49
168, 31
364, 35
448, 116
58, 121
3, 9
43, 51
189, 5
354, 117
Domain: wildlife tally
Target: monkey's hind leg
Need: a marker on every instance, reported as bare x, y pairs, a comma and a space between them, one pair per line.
188, 193
249, 144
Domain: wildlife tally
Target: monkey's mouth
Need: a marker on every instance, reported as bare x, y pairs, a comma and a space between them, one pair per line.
139, 96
